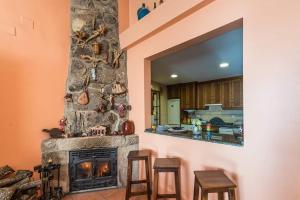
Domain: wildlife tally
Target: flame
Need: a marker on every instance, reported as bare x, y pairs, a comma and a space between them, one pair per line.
103, 169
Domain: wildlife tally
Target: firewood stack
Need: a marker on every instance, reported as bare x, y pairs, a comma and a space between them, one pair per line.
17, 185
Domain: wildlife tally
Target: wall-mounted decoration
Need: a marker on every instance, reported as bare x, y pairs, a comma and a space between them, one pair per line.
83, 98
118, 89
115, 58
122, 109
62, 124
68, 97
96, 48
96, 55
142, 11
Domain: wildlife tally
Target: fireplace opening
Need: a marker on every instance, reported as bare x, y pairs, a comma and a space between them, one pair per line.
93, 169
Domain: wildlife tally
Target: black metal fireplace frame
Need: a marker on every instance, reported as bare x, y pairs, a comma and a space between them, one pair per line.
94, 156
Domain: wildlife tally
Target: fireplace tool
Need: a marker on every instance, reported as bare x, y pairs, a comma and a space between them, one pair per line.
48, 191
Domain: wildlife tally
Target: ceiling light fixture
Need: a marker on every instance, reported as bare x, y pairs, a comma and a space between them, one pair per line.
174, 76
224, 65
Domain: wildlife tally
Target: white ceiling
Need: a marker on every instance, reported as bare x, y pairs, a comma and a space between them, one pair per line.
201, 61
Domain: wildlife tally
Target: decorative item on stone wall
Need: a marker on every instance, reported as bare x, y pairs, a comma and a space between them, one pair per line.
98, 130
93, 73
105, 105
118, 88
68, 97
93, 59
111, 101
62, 124
98, 32
80, 37
116, 58
96, 47
83, 98
122, 109
128, 128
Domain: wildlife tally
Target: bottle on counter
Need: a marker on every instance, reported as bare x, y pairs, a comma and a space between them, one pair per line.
208, 127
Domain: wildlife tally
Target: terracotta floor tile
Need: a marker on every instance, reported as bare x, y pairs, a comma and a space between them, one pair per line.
111, 194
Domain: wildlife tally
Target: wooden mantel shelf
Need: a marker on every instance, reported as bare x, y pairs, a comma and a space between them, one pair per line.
159, 19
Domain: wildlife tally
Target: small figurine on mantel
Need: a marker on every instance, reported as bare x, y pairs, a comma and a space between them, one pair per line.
98, 130
57, 132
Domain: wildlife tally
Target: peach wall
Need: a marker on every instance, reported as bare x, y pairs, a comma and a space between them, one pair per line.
267, 167
33, 68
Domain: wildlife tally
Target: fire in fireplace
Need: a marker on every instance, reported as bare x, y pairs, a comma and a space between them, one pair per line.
92, 169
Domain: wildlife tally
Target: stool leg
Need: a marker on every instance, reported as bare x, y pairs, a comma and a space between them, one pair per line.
129, 177
177, 185
220, 195
196, 190
204, 195
155, 187
148, 179
231, 194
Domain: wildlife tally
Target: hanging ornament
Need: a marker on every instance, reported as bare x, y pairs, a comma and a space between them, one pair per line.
122, 110
93, 74
118, 88
83, 98
96, 47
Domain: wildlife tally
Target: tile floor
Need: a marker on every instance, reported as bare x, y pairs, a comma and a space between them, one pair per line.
111, 194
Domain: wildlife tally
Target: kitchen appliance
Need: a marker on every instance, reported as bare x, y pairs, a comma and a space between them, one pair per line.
174, 111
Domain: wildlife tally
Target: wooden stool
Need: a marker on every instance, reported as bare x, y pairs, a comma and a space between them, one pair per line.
213, 182
136, 156
167, 165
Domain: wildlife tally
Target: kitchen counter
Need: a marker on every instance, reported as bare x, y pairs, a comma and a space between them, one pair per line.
205, 136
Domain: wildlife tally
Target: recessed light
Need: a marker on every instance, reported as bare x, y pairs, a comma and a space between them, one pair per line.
224, 65
174, 76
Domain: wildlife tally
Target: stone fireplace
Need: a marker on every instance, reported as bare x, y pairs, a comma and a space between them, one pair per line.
89, 163
94, 153
94, 168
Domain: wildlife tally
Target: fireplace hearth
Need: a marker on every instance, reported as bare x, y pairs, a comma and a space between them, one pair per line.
93, 169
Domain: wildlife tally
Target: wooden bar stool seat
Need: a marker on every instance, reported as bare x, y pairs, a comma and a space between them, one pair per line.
167, 165
144, 155
214, 181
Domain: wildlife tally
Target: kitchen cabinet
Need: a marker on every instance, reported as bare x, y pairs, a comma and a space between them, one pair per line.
173, 91
228, 92
185, 92
216, 92
200, 96
237, 93
188, 96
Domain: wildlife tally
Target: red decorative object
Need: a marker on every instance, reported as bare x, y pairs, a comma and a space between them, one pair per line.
122, 110
62, 124
128, 127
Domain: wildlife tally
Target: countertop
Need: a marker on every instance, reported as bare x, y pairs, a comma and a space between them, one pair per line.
205, 136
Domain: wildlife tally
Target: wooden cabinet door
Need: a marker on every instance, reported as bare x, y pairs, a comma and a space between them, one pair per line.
183, 97
216, 92
173, 91
200, 96
207, 93
226, 94
237, 93
190, 95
